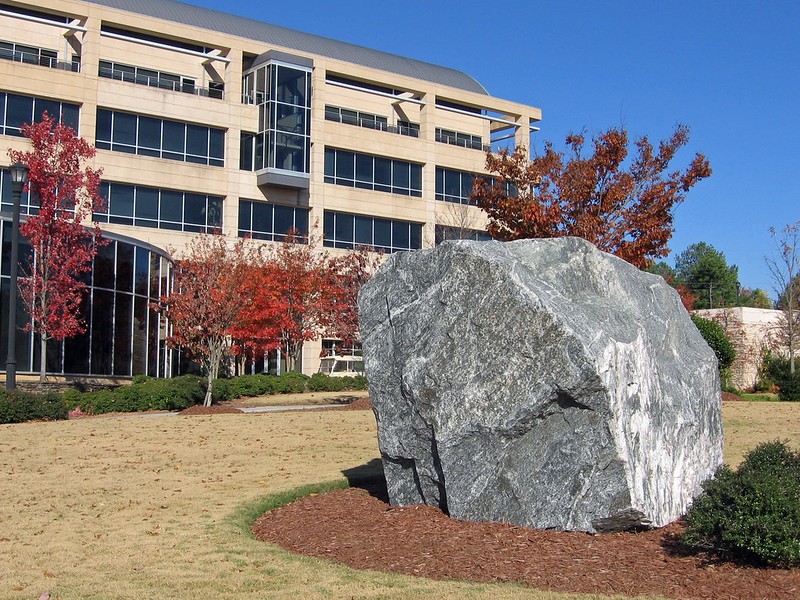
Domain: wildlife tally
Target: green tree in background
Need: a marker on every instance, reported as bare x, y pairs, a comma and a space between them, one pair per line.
705, 272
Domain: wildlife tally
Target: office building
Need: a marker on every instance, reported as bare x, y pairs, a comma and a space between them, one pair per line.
206, 120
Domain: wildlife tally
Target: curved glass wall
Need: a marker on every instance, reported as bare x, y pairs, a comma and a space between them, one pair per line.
124, 336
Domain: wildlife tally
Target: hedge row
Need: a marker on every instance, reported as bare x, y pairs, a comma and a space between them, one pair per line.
18, 407
177, 393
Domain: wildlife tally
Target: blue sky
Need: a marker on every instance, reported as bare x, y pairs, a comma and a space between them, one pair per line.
729, 70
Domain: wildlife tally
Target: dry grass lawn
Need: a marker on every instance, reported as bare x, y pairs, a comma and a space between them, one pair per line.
153, 507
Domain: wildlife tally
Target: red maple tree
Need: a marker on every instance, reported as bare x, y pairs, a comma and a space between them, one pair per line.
207, 300
63, 248
350, 272
623, 206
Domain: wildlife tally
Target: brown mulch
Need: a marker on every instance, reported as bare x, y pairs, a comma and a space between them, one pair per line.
728, 397
358, 527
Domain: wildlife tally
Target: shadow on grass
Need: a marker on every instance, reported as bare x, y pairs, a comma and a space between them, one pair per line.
369, 477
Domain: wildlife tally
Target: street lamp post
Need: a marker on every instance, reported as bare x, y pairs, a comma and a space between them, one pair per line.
19, 177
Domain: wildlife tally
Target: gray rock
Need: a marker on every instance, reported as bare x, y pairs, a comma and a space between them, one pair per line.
538, 382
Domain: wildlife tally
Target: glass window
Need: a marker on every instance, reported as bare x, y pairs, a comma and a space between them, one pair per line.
141, 274
174, 137
51, 107
330, 164
345, 164
291, 86
214, 214
363, 230
70, 114
416, 179
120, 205
125, 267
344, 231
171, 209
289, 152
284, 219
194, 211
122, 333
216, 146
246, 151
400, 234
102, 331
400, 176
196, 140
383, 174
383, 233
104, 266
147, 206
262, 217
245, 217
416, 236
364, 169
103, 135
18, 112
149, 136
123, 129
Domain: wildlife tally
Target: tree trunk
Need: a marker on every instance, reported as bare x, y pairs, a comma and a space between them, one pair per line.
43, 362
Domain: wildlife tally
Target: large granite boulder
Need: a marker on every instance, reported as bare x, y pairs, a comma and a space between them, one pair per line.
538, 382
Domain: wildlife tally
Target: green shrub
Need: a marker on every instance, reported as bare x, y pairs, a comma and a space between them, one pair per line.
320, 382
18, 407
715, 337
778, 371
176, 393
221, 390
289, 383
752, 513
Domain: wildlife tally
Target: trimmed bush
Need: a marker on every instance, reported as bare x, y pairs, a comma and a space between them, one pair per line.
715, 337
18, 407
752, 513
145, 394
778, 370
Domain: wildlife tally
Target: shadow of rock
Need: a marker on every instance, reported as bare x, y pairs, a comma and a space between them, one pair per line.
369, 477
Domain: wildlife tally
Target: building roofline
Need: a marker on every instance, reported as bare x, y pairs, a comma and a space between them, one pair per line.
214, 20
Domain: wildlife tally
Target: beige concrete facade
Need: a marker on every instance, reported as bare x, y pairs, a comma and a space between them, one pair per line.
90, 31
751, 332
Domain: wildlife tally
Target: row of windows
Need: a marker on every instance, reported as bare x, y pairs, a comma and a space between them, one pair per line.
265, 221
456, 186
123, 336
456, 138
162, 138
369, 172
159, 208
16, 110
276, 150
444, 233
344, 230
370, 121
159, 79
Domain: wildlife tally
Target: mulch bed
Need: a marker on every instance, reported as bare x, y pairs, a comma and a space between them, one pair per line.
358, 527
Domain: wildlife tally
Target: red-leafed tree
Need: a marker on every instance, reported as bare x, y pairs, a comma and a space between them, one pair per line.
207, 300
257, 330
305, 290
350, 272
624, 205
63, 248
297, 294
